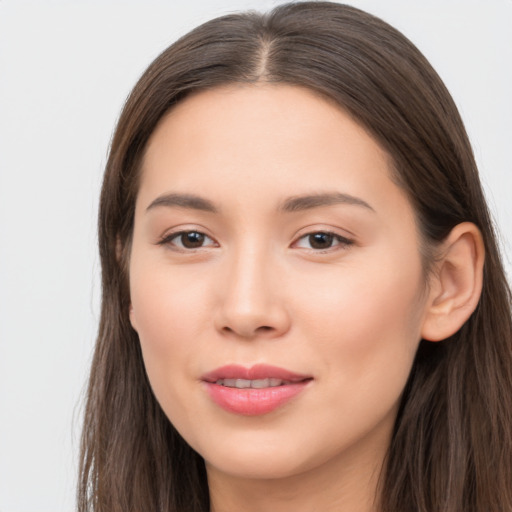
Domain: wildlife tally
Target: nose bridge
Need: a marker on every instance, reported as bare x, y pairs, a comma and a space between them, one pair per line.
251, 302
250, 273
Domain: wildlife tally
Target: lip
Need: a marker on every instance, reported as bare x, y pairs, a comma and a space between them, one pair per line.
252, 401
258, 371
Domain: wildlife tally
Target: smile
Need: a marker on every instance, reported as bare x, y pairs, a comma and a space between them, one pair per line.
255, 384
253, 391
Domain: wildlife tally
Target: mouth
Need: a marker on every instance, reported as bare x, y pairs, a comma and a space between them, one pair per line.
253, 391
258, 374
254, 384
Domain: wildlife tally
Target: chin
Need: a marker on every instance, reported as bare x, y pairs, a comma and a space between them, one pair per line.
262, 457
264, 467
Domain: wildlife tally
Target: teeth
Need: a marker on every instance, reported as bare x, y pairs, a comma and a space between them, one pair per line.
256, 383
260, 383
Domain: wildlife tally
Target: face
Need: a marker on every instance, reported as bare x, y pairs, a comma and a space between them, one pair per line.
276, 281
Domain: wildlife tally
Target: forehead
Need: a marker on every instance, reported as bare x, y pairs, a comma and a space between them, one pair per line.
232, 113
245, 142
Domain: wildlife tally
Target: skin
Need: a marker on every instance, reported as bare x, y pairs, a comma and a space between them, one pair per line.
351, 316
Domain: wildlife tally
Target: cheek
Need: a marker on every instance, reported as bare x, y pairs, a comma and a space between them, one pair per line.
366, 321
168, 309
168, 317
363, 329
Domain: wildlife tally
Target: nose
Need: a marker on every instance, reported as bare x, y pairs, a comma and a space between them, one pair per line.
250, 298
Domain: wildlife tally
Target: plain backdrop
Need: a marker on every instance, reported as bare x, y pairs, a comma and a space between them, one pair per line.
65, 70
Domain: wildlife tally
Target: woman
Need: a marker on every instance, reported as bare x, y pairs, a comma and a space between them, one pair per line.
296, 312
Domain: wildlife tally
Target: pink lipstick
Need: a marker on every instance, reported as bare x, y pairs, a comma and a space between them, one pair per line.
253, 391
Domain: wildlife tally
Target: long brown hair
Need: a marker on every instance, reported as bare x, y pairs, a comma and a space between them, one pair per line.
451, 449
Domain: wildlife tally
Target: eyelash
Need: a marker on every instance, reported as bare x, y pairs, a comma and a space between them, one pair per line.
341, 242
169, 239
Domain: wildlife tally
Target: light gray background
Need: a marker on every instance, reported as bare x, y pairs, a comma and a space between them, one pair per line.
65, 70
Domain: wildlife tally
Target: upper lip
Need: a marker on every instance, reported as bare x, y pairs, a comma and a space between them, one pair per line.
258, 371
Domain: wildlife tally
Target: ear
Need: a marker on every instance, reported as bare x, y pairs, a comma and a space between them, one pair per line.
119, 256
132, 318
457, 283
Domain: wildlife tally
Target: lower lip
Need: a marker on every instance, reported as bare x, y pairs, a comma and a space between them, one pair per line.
251, 401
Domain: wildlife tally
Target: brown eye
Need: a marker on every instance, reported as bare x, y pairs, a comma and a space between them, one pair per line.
320, 240
192, 239
188, 240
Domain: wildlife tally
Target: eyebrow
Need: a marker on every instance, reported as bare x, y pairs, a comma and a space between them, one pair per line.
290, 205
306, 202
189, 201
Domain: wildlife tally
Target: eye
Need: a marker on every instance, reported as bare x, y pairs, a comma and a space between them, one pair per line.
188, 240
322, 240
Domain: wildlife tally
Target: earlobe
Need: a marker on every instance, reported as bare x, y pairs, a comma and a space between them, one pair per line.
457, 283
119, 257
132, 318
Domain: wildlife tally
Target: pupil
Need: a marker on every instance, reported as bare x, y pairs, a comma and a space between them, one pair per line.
192, 240
320, 240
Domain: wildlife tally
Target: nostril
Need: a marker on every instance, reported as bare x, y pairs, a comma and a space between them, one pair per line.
250, 333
